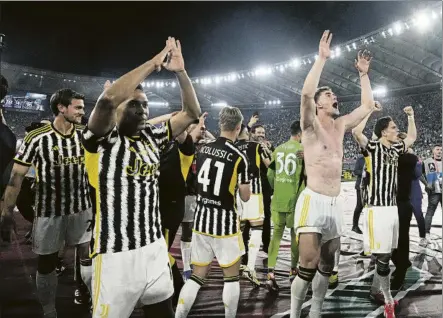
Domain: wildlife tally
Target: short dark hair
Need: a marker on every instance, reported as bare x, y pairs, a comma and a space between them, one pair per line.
381, 125
64, 96
295, 128
319, 91
254, 127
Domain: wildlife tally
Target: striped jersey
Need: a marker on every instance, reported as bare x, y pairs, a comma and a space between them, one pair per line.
124, 172
255, 154
221, 166
381, 169
61, 181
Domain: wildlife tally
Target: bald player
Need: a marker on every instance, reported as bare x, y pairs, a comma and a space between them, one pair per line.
318, 218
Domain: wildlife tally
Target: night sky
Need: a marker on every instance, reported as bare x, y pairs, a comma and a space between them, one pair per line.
105, 38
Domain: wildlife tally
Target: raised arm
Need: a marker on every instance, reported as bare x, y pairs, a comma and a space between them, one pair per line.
190, 105
307, 108
412, 130
162, 118
102, 118
358, 135
362, 64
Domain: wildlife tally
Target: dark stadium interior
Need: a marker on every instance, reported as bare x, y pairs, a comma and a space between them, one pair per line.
252, 55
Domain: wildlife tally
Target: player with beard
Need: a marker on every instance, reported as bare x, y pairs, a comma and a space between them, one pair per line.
318, 216
258, 134
62, 205
252, 212
123, 152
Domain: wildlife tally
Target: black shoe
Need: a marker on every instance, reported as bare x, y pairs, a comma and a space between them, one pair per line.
82, 296
357, 230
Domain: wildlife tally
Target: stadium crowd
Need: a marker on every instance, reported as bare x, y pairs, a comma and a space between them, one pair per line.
277, 123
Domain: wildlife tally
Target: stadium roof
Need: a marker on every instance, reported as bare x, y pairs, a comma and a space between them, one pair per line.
407, 54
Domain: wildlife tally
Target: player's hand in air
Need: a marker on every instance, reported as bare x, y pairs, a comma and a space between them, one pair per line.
324, 50
409, 111
159, 59
377, 107
363, 61
175, 61
254, 119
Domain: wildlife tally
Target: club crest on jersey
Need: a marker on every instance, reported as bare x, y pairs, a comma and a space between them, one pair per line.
141, 168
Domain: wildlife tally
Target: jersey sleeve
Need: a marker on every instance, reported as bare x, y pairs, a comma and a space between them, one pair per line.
400, 147
27, 151
162, 135
243, 171
92, 142
371, 146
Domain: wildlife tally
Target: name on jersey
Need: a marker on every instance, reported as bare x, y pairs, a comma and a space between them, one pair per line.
284, 180
65, 161
243, 147
208, 201
141, 169
223, 154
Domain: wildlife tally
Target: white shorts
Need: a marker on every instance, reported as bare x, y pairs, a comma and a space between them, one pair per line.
318, 213
380, 229
49, 234
252, 210
121, 280
227, 250
190, 205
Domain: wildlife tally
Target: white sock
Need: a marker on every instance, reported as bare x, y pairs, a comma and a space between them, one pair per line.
385, 285
375, 287
46, 290
319, 288
186, 255
299, 288
187, 296
86, 273
254, 247
231, 296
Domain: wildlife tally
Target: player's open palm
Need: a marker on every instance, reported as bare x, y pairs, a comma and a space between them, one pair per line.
363, 61
175, 61
324, 50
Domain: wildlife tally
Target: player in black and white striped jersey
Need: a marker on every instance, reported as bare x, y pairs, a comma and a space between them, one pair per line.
123, 151
221, 169
380, 234
62, 203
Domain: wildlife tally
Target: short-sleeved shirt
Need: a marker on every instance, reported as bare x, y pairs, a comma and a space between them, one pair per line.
381, 169
61, 181
255, 154
124, 171
221, 166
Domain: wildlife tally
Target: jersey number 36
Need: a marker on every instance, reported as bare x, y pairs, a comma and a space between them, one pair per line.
288, 163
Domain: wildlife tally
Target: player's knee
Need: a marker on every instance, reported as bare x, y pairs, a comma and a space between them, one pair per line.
47, 263
383, 268
306, 274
